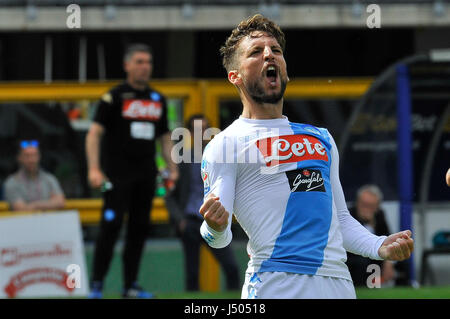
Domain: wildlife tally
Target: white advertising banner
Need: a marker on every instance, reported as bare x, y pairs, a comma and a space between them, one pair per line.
42, 255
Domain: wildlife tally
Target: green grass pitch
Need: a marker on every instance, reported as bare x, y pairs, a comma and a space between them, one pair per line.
438, 292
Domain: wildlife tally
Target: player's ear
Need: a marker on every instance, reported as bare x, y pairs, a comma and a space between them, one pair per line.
234, 77
126, 65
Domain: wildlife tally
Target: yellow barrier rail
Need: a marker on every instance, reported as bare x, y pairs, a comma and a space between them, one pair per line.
198, 95
90, 210
187, 90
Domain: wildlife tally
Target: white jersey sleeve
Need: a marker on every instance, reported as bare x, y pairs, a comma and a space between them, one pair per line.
219, 178
356, 238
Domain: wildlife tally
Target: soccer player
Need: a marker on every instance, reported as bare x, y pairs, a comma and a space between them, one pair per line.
129, 120
280, 180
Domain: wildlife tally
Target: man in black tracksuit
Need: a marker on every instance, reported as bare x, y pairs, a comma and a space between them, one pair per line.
129, 119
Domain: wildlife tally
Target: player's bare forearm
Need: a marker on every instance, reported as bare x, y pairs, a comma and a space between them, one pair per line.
93, 138
167, 145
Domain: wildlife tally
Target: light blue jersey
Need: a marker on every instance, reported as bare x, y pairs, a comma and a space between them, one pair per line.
281, 181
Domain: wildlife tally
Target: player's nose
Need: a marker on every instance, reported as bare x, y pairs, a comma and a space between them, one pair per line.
268, 53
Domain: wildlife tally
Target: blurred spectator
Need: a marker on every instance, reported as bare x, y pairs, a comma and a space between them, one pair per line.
369, 213
183, 204
447, 177
129, 120
31, 188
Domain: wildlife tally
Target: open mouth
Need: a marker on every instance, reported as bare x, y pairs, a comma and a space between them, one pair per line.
271, 75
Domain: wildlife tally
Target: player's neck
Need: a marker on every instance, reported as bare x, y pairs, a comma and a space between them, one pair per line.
140, 86
265, 111
30, 173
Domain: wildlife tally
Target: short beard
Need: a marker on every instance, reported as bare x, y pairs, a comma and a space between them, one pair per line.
258, 95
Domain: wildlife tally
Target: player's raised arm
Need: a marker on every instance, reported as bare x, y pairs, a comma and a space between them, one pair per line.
219, 180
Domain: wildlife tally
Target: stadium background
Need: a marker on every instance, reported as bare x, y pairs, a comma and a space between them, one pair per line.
51, 77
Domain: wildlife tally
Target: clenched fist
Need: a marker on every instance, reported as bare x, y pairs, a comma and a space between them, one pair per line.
398, 246
96, 177
214, 213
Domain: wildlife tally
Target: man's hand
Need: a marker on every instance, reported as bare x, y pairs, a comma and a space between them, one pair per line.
96, 177
174, 174
214, 213
398, 246
171, 181
182, 226
167, 147
388, 271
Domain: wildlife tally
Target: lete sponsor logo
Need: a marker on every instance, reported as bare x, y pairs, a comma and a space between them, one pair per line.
141, 109
13, 256
35, 276
291, 148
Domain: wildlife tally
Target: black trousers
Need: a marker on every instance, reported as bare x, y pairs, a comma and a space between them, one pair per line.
357, 265
192, 241
134, 196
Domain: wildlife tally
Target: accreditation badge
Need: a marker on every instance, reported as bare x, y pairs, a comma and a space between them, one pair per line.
142, 130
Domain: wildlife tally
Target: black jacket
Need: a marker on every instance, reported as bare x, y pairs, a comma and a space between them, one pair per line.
381, 229
381, 226
177, 199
